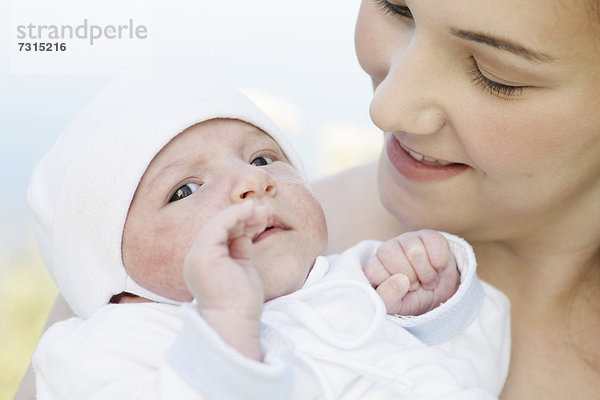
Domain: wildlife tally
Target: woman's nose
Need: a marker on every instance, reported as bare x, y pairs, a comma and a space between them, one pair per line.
252, 182
410, 96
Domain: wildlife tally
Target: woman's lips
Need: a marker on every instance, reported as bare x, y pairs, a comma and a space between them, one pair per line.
417, 167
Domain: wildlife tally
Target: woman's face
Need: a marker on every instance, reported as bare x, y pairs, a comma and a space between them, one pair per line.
498, 102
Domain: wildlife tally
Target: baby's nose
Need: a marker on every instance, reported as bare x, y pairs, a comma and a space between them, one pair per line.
253, 184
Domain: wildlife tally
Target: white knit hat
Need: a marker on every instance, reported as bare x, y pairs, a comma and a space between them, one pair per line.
81, 190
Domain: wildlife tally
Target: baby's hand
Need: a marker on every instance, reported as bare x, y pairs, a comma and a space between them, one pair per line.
218, 269
414, 273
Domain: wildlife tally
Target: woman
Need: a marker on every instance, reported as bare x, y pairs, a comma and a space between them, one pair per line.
493, 134
493, 121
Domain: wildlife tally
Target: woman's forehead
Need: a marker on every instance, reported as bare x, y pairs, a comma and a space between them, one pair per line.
559, 28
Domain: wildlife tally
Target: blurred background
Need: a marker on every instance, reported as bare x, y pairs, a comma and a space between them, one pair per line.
295, 59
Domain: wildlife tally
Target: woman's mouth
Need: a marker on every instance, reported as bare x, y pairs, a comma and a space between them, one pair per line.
418, 167
424, 159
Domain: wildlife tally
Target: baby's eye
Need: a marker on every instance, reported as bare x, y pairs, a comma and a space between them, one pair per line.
260, 161
184, 191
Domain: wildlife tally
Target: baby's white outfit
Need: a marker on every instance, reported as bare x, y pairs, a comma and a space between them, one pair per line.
331, 339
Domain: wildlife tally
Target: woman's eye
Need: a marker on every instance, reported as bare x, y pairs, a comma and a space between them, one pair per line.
394, 9
184, 191
261, 161
496, 88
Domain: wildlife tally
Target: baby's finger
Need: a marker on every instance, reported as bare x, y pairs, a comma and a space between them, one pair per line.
438, 249
392, 291
375, 271
240, 247
393, 258
257, 222
225, 225
247, 221
417, 255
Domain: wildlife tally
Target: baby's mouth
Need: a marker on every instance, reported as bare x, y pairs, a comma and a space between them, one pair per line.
274, 225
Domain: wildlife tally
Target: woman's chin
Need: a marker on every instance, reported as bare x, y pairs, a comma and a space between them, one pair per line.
414, 215
439, 206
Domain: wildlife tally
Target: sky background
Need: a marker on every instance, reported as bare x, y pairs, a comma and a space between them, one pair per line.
295, 59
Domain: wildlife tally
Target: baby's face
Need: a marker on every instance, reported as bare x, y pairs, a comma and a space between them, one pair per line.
203, 170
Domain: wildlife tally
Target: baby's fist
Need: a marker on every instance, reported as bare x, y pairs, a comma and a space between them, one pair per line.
414, 273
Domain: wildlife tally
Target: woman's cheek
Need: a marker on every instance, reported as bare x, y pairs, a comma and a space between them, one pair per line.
369, 43
501, 146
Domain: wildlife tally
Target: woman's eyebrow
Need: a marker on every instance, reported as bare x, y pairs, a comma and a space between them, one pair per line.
503, 44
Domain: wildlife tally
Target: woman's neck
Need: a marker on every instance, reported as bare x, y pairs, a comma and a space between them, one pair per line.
554, 293
551, 257
555, 317
541, 276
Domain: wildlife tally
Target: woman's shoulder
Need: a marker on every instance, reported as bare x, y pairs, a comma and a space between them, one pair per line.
350, 200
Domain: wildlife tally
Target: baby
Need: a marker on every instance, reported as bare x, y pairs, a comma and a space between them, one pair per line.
182, 191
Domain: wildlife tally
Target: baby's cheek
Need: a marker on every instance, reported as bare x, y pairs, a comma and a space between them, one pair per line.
314, 220
157, 250
159, 268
